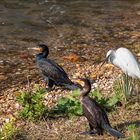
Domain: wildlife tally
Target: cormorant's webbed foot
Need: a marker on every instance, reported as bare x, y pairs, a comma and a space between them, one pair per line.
89, 132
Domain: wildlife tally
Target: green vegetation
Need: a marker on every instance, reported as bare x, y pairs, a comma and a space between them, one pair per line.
33, 107
8, 131
125, 87
134, 132
117, 89
32, 104
108, 104
70, 105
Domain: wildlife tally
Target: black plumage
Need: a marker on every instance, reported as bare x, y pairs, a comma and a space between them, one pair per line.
95, 115
52, 72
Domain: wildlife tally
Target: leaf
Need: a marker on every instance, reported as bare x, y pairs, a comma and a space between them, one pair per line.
76, 93
72, 57
112, 101
24, 55
32, 104
96, 94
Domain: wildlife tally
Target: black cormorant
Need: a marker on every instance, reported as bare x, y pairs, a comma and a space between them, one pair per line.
96, 116
52, 72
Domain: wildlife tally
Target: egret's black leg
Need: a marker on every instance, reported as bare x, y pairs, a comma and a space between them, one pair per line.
135, 85
132, 86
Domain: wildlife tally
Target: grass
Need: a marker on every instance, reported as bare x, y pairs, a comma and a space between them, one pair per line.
127, 87
8, 131
134, 132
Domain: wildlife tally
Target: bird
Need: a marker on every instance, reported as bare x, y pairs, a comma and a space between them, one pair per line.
124, 59
95, 114
53, 73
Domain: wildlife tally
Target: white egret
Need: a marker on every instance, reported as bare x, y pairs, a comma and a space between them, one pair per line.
125, 60
128, 63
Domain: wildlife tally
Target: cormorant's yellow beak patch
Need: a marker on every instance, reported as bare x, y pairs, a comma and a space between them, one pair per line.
79, 81
36, 49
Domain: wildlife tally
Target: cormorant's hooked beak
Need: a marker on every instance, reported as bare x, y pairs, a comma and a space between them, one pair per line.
80, 81
36, 49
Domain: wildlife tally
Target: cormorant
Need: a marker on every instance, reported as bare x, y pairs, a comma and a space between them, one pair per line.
96, 116
53, 73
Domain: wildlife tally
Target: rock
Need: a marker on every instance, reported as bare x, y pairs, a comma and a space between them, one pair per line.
17, 106
7, 120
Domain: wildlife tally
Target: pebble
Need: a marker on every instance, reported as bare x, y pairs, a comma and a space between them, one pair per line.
7, 120
17, 106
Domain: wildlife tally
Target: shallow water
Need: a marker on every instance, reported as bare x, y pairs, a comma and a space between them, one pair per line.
84, 27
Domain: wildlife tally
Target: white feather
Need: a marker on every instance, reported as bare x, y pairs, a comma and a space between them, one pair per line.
126, 61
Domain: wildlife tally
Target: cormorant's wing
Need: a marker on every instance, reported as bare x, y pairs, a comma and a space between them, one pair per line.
97, 117
95, 111
56, 65
53, 71
102, 111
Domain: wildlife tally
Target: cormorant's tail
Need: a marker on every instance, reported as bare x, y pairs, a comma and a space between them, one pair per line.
113, 132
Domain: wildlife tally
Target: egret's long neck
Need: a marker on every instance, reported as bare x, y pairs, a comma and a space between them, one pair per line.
111, 57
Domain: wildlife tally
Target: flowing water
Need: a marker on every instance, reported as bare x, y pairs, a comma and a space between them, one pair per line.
84, 27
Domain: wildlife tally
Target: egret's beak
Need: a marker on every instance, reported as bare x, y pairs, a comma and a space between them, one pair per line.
104, 61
